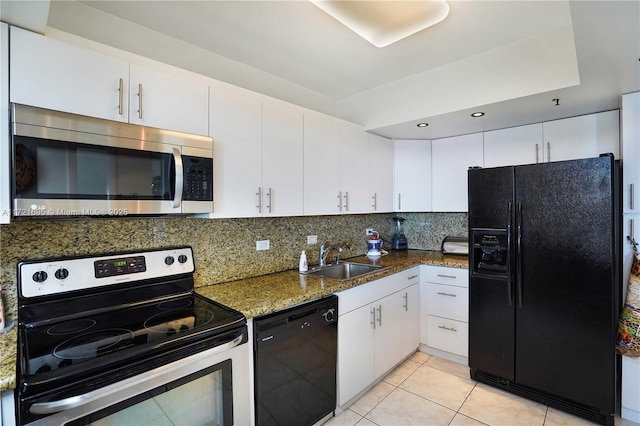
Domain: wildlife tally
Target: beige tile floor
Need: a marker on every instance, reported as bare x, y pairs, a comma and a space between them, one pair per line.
428, 390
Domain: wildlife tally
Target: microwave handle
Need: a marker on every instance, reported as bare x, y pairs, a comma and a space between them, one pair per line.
177, 158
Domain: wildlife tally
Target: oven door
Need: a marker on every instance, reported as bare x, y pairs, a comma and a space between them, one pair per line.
209, 388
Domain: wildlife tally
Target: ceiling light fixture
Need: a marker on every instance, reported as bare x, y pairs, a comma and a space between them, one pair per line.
477, 114
382, 23
422, 124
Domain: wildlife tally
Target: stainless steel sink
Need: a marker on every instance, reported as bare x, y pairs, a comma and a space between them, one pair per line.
344, 270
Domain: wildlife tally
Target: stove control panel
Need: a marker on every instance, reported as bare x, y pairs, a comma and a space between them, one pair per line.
119, 266
53, 276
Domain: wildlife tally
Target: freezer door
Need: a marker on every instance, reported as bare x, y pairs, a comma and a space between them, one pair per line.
491, 290
565, 314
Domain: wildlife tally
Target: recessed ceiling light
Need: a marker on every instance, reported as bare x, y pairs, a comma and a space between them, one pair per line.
477, 114
382, 23
423, 124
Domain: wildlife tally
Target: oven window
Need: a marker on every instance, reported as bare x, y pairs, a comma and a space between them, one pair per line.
202, 398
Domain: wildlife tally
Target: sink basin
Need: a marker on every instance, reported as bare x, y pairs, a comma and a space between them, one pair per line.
344, 271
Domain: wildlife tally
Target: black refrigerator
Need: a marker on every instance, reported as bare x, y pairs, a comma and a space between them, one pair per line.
544, 288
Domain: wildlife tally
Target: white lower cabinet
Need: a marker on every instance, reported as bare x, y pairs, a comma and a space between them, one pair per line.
377, 328
445, 303
630, 389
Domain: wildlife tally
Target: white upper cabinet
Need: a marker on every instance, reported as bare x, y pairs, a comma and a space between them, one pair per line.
412, 176
354, 169
451, 158
380, 174
51, 74
167, 101
282, 157
630, 151
513, 146
236, 129
581, 137
322, 194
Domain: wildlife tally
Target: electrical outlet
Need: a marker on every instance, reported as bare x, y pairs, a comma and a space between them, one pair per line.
368, 231
262, 245
312, 239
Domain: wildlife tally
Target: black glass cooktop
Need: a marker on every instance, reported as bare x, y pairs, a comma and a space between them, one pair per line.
114, 335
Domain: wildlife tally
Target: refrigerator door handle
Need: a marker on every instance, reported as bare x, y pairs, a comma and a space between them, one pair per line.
519, 253
509, 251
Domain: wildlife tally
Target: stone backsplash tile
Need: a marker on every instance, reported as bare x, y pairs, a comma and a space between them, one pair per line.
224, 249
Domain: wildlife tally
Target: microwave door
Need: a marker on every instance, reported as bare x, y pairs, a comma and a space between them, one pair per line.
62, 178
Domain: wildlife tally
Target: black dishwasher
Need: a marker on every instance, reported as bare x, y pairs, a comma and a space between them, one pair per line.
295, 356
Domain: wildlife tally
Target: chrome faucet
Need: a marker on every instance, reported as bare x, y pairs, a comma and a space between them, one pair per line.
325, 248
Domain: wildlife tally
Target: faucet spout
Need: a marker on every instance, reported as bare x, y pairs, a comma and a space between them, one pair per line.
325, 248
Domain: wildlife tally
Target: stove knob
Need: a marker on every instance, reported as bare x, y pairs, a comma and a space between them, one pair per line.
182, 258
40, 276
62, 273
169, 260
330, 315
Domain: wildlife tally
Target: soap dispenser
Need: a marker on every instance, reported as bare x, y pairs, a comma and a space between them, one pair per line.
303, 262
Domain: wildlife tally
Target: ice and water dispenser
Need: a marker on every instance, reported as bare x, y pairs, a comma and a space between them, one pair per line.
490, 252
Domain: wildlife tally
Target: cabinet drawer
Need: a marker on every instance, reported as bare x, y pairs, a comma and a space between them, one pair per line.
448, 301
448, 335
449, 276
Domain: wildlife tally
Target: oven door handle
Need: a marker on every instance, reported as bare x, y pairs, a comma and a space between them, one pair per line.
146, 381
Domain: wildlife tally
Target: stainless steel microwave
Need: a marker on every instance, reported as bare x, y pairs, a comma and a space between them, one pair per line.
71, 165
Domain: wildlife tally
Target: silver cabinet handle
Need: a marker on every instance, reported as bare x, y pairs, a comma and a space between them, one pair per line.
447, 276
447, 294
412, 277
548, 152
632, 234
269, 199
373, 317
120, 96
140, 101
346, 201
375, 201
138, 384
447, 328
631, 194
339, 200
399, 201
259, 197
380, 315
405, 302
537, 157
177, 199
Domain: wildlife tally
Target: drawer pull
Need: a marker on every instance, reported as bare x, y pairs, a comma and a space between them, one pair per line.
447, 276
444, 327
447, 294
412, 277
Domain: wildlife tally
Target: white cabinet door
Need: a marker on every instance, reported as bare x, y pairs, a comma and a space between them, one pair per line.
412, 176
388, 337
5, 164
167, 101
410, 319
513, 146
322, 194
584, 136
282, 157
630, 151
236, 129
355, 352
630, 389
354, 169
51, 74
451, 158
380, 174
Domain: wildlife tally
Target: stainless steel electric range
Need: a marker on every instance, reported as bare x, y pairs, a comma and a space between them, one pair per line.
124, 337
